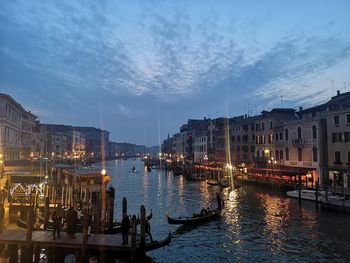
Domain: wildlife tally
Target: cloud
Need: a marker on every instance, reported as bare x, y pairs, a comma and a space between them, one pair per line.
168, 54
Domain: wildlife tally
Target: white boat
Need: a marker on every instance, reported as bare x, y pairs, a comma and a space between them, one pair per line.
307, 194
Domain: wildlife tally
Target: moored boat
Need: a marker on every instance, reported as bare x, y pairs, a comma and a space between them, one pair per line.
195, 219
306, 194
157, 243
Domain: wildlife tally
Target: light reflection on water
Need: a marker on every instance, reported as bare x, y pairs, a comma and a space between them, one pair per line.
256, 224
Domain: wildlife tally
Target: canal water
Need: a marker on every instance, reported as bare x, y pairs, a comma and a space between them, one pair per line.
257, 225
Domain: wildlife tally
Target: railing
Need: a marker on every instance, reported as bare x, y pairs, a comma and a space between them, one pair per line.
298, 141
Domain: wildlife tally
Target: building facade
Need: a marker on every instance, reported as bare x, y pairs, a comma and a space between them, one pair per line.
17, 130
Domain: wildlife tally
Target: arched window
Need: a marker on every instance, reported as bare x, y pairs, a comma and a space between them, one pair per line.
314, 132
286, 134
300, 154
287, 154
281, 136
314, 154
299, 133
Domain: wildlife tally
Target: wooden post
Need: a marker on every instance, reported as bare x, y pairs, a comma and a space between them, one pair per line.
37, 253
124, 207
62, 196
143, 225
85, 234
133, 239
111, 196
13, 251
28, 246
46, 212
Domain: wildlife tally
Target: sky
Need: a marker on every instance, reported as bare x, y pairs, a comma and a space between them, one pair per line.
141, 69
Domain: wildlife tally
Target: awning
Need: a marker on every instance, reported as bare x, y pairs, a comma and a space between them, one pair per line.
284, 170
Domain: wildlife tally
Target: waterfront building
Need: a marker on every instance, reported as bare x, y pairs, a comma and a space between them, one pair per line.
17, 129
94, 140
242, 140
303, 142
76, 143
200, 145
338, 130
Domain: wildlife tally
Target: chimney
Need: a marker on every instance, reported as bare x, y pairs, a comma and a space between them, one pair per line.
300, 108
338, 92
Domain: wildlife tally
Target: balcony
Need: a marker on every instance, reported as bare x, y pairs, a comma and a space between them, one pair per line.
298, 141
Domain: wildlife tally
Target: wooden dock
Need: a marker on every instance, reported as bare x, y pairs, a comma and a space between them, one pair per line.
97, 244
45, 239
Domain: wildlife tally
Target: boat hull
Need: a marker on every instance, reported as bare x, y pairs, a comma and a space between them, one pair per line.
193, 220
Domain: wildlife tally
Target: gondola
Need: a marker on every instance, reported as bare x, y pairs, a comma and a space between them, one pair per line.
212, 182
195, 219
157, 243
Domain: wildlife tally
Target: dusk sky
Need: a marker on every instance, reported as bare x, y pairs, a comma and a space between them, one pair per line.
141, 69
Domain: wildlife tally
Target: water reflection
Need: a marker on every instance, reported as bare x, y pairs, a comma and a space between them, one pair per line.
256, 224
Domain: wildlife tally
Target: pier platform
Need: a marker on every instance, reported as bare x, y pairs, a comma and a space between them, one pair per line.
45, 239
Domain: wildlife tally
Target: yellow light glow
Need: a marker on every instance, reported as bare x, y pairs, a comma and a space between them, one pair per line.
103, 172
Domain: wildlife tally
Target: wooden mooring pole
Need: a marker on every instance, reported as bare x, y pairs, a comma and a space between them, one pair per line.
143, 224
29, 246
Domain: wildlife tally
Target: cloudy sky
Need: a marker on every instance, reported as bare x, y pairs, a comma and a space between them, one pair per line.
141, 69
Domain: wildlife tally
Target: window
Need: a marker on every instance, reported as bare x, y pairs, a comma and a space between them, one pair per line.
336, 120
262, 126
300, 154
233, 138
346, 136
263, 139
337, 158
276, 136
348, 158
252, 126
299, 133
252, 148
253, 137
281, 154
314, 154
269, 138
336, 137
287, 154
257, 127
281, 136
277, 155
348, 119
286, 134
271, 126
314, 132
238, 138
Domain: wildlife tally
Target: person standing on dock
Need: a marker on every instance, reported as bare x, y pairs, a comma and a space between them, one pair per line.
125, 229
72, 218
56, 219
